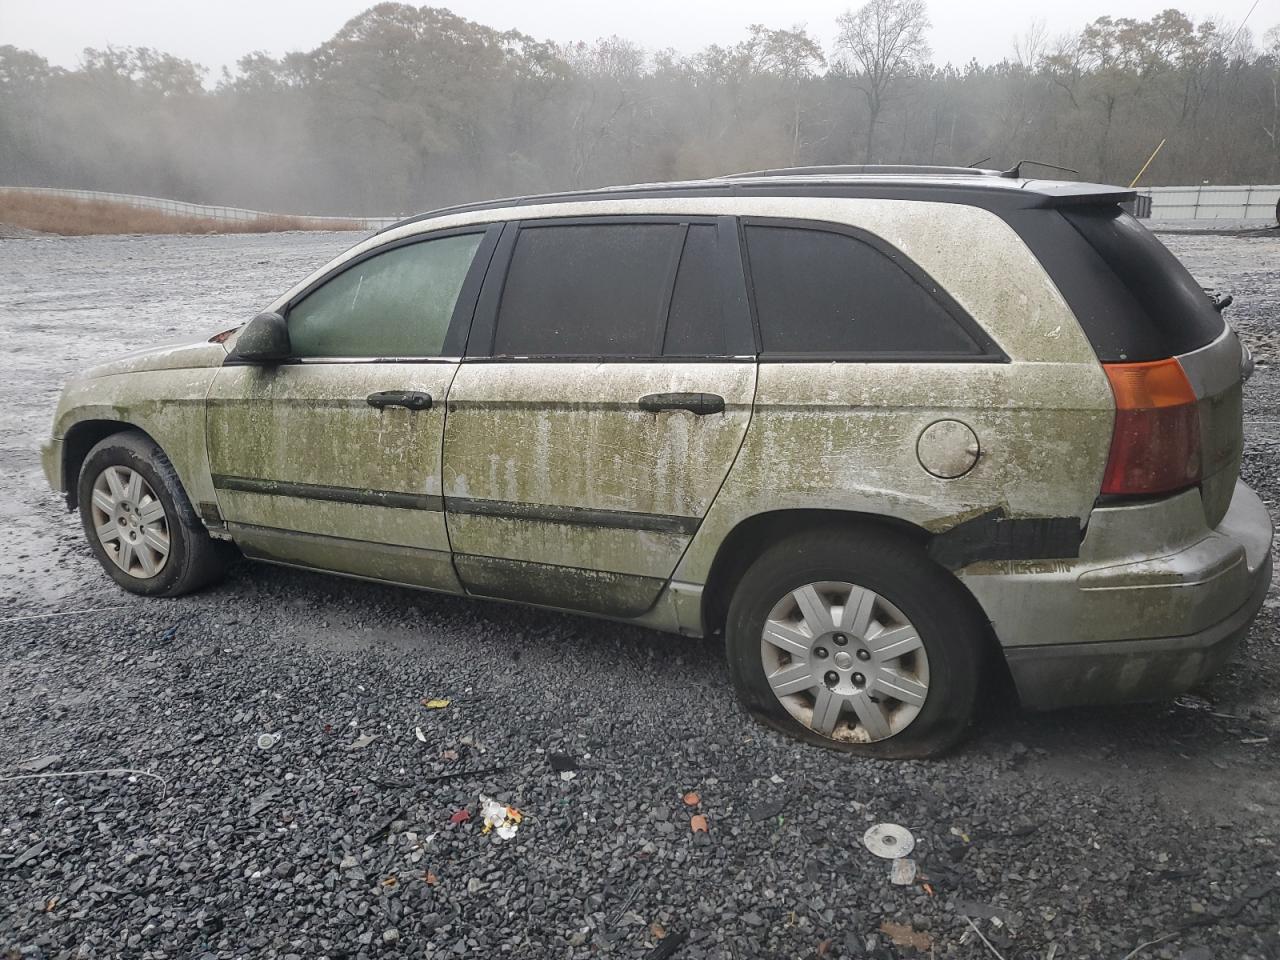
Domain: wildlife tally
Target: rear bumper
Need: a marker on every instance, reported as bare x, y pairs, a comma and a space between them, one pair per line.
1118, 671
1155, 603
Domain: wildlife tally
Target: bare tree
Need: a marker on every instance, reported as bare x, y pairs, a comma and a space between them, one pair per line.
1030, 46
1271, 102
883, 42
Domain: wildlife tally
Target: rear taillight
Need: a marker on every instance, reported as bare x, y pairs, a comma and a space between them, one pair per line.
1155, 447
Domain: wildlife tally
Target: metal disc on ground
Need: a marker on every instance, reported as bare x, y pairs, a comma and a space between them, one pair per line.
889, 840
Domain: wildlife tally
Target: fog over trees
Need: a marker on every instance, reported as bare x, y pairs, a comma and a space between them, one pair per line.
407, 108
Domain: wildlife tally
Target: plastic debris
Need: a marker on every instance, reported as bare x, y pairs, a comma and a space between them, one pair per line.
267, 740
460, 816
889, 840
170, 633
435, 704
567, 775
903, 873
698, 824
449, 755
417, 732
905, 935
691, 799
498, 817
362, 741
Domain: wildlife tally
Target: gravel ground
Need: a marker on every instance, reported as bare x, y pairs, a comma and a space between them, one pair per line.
1080, 834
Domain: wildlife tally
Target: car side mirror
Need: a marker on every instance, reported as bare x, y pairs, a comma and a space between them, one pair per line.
265, 339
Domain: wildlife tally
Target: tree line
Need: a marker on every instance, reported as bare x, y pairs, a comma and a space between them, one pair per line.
406, 108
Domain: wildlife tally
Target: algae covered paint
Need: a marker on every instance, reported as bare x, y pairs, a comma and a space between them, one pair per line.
615, 489
832, 436
160, 391
310, 427
545, 481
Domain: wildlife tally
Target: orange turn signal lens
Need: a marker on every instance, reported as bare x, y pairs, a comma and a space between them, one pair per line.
1155, 445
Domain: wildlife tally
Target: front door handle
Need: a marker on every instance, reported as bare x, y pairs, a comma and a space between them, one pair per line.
699, 404
409, 399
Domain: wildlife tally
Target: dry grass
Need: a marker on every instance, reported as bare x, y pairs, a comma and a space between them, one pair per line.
75, 218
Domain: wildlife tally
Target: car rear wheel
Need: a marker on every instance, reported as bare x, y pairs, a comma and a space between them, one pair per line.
857, 641
139, 522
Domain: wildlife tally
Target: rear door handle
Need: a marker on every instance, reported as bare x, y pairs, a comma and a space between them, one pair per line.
409, 399
699, 404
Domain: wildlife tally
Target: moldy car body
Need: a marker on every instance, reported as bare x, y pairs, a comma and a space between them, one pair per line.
652, 403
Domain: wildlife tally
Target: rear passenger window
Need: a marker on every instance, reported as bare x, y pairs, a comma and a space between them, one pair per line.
696, 323
822, 293
595, 290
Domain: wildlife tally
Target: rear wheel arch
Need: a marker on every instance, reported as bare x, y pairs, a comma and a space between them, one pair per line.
755, 534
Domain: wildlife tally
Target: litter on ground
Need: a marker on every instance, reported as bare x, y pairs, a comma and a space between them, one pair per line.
499, 818
889, 840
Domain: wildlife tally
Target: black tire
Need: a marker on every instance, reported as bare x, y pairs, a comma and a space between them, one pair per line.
194, 560
945, 616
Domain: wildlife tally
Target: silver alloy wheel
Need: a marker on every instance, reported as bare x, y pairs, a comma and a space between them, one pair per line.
130, 522
845, 662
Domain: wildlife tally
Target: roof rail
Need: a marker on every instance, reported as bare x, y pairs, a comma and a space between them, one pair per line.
890, 169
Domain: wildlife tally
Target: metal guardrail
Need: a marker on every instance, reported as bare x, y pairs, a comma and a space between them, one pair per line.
1206, 202
205, 211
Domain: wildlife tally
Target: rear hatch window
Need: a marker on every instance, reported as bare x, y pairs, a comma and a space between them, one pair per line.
1133, 297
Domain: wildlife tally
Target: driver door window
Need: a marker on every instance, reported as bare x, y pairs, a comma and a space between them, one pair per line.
395, 304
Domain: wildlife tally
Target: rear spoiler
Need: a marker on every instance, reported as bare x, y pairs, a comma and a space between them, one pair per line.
1058, 193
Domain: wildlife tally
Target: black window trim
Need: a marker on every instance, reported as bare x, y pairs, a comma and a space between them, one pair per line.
990, 351
463, 311
484, 327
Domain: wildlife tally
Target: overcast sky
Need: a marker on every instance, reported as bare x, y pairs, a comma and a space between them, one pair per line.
217, 32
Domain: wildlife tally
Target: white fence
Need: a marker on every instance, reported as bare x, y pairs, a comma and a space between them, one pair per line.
206, 211
1167, 203
1214, 202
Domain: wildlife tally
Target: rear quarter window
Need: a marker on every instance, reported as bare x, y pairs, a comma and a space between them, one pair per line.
826, 294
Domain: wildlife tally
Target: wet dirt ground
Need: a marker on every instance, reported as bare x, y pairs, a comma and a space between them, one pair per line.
1084, 833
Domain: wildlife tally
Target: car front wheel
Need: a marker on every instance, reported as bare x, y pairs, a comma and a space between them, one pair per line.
856, 640
139, 522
